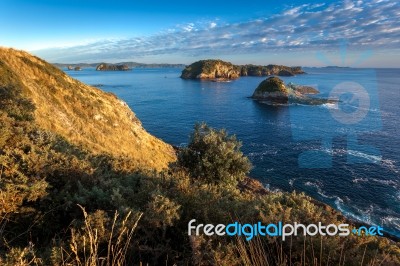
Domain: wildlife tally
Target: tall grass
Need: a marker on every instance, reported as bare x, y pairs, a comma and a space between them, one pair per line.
85, 246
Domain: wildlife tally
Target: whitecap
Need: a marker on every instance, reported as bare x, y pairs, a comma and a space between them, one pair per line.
330, 106
369, 157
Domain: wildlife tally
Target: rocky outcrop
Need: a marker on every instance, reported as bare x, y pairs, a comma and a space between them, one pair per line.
273, 90
111, 67
211, 69
220, 70
78, 68
303, 89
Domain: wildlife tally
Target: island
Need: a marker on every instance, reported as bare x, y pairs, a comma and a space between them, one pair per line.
211, 69
218, 70
274, 91
112, 67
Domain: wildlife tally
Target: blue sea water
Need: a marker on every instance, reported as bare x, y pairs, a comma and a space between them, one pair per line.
346, 155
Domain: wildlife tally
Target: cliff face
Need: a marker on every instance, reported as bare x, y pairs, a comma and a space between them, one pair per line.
218, 69
84, 115
110, 67
211, 69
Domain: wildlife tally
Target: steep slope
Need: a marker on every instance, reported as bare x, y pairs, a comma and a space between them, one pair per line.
85, 116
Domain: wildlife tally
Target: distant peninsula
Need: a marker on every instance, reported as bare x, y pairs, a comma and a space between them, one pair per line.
128, 64
214, 69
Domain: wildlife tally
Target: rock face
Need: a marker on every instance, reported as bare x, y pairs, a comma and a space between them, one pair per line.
110, 67
272, 89
211, 69
83, 115
218, 69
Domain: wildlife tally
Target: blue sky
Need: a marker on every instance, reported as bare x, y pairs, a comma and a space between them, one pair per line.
308, 33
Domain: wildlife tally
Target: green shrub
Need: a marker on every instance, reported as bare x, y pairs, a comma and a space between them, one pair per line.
214, 156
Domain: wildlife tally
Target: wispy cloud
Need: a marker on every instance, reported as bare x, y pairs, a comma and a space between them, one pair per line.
363, 24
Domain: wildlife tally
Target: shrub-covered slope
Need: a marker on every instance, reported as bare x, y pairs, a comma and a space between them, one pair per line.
82, 114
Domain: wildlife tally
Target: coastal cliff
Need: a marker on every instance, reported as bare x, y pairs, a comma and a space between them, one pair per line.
83, 115
212, 69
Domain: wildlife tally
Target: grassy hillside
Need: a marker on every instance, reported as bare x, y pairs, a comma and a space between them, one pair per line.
83, 115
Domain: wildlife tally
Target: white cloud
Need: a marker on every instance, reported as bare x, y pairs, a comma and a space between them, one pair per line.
366, 24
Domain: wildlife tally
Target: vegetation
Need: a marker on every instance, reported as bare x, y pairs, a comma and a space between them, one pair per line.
85, 116
67, 204
214, 156
256, 70
211, 69
272, 84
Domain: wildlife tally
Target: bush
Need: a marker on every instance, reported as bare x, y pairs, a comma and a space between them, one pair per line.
214, 156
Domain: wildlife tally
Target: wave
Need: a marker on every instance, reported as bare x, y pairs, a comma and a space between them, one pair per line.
271, 189
319, 190
391, 220
372, 216
330, 106
375, 159
358, 180
262, 153
393, 183
372, 158
365, 217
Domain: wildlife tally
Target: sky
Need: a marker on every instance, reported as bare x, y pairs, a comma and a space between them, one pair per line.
356, 33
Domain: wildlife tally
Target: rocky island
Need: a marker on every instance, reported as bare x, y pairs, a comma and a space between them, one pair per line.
112, 67
218, 70
274, 91
211, 69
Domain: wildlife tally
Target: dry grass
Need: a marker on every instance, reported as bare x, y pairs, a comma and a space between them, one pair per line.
85, 245
84, 115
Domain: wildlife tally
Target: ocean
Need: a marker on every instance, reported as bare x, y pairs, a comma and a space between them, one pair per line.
346, 155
